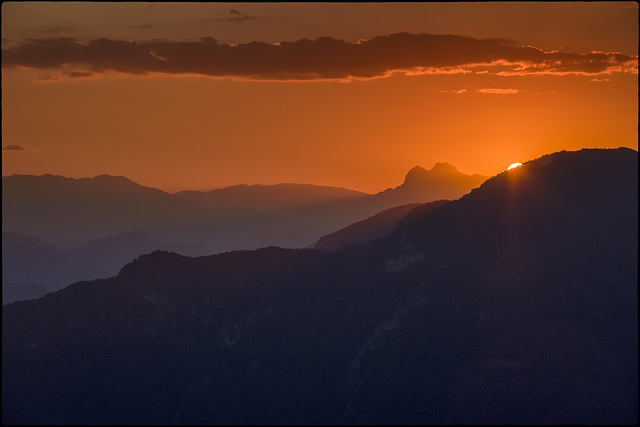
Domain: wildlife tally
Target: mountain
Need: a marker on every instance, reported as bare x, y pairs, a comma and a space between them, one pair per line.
271, 197
32, 267
443, 181
70, 212
515, 304
368, 229
532, 287
19, 291
95, 225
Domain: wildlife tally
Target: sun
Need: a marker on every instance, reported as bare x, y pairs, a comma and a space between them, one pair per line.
514, 165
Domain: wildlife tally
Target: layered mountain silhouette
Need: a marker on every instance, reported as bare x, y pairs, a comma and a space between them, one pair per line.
443, 181
268, 198
368, 229
32, 267
69, 212
514, 304
129, 220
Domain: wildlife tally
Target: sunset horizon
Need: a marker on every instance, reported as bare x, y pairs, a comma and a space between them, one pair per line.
197, 96
309, 213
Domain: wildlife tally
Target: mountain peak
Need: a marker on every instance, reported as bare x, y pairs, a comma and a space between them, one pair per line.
419, 174
441, 167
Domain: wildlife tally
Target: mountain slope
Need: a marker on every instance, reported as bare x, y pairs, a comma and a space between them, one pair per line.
69, 212
515, 304
368, 229
270, 197
32, 267
535, 275
443, 181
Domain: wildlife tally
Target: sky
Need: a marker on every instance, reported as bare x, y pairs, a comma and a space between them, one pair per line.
198, 96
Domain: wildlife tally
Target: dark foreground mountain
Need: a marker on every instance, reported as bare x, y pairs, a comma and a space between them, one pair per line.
516, 304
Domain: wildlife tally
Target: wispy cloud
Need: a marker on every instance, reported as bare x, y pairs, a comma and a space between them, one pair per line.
13, 147
494, 91
455, 91
324, 58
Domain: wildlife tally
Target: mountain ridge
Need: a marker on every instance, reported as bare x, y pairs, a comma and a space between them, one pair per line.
58, 267
516, 303
68, 212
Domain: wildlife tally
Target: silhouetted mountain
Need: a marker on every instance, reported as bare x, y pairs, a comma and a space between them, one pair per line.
368, 229
73, 212
516, 304
271, 197
20, 291
32, 267
531, 282
28, 259
69, 212
443, 181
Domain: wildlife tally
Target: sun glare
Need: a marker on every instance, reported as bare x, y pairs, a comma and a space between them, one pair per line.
514, 165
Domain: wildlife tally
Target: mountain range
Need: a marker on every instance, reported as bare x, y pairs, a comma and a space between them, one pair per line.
68, 212
516, 303
121, 220
57, 268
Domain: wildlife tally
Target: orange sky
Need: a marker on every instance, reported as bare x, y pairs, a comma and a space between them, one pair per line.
199, 96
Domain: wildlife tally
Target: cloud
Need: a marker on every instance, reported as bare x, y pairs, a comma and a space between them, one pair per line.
13, 147
455, 91
492, 91
323, 58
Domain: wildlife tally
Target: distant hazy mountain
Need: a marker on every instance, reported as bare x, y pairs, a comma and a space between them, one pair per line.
368, 229
95, 225
443, 181
21, 291
515, 304
69, 212
271, 197
32, 267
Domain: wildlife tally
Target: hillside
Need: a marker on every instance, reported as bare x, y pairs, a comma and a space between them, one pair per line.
515, 304
368, 229
32, 267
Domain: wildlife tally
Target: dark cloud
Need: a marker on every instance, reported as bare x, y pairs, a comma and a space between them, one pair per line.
13, 147
324, 58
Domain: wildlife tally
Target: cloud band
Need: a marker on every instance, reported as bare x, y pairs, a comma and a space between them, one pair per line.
323, 58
